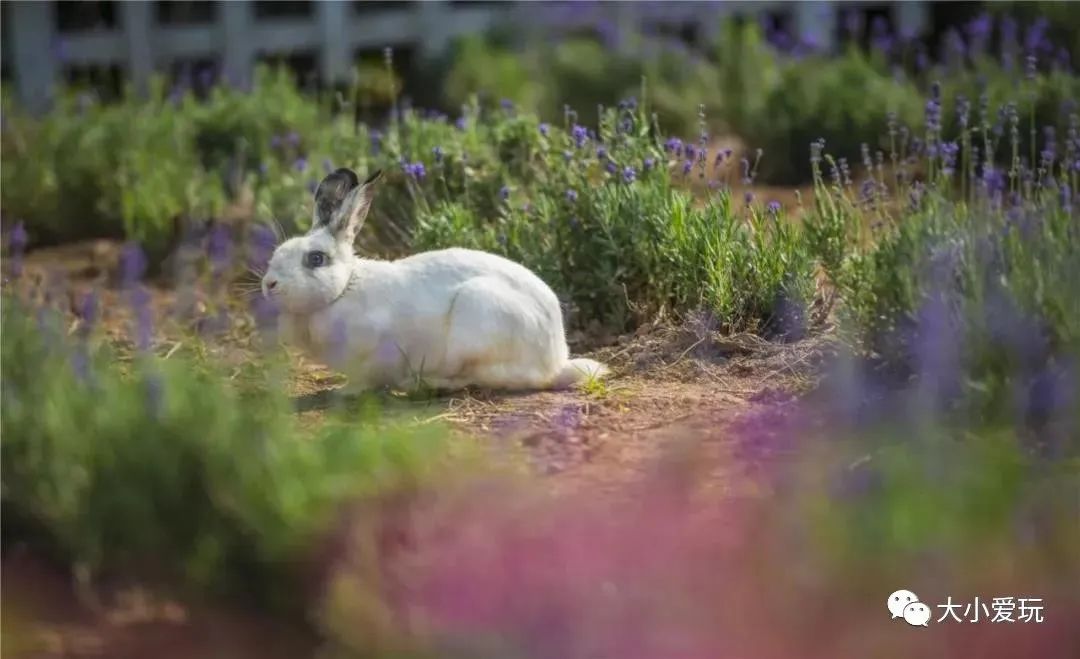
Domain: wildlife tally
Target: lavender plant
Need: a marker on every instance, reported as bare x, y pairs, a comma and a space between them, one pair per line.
176, 467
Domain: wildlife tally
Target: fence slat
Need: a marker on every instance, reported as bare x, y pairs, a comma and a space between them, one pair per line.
36, 68
236, 40
333, 19
138, 27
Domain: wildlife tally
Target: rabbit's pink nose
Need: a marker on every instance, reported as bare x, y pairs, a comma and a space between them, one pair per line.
271, 284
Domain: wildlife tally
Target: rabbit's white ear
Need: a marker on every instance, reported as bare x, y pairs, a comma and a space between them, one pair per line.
342, 204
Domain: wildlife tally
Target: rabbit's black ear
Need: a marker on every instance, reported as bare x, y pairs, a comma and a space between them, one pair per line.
331, 194
374, 178
353, 211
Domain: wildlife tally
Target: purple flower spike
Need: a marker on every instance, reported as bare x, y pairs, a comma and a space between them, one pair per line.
144, 327
867, 190
18, 238
933, 116
132, 264
80, 363
687, 166
416, 170
601, 153
571, 196
649, 164
936, 338
301, 164
219, 247
580, 134
504, 193
544, 129
266, 312
1035, 39
17, 242
773, 208
88, 312
949, 150
629, 174
461, 123
748, 197
262, 244
979, 29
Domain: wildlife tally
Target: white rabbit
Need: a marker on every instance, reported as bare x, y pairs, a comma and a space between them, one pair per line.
449, 318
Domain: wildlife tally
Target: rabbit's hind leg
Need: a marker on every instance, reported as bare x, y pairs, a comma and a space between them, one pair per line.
498, 338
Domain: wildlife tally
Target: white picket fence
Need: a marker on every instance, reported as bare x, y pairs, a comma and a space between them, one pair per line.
334, 32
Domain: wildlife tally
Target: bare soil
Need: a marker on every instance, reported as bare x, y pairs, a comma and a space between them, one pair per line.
672, 381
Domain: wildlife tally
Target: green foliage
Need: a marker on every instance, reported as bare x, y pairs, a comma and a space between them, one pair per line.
87, 170
749, 70
168, 466
480, 67
549, 77
844, 101
235, 130
1005, 282
611, 232
921, 490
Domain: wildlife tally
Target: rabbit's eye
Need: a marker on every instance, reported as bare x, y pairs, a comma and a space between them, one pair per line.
315, 259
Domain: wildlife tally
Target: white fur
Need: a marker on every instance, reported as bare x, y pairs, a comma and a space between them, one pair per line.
448, 318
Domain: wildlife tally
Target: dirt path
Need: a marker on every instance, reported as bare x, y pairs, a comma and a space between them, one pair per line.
670, 385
